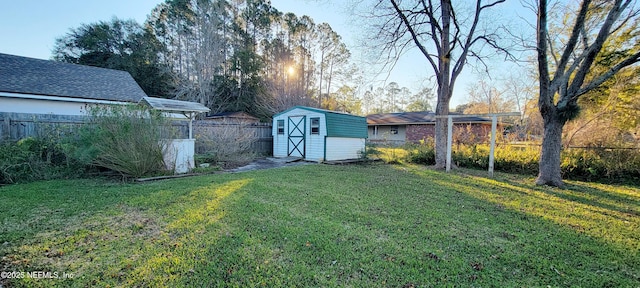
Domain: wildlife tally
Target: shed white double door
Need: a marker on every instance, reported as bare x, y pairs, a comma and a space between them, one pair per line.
296, 136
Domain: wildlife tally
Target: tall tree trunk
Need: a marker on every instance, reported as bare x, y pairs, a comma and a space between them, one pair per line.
442, 108
320, 80
549, 165
329, 80
444, 87
559, 94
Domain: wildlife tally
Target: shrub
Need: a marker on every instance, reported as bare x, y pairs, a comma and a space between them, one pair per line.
599, 164
15, 163
36, 158
471, 156
125, 139
226, 142
422, 153
520, 160
584, 164
204, 158
510, 159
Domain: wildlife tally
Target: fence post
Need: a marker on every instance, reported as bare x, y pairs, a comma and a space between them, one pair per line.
6, 127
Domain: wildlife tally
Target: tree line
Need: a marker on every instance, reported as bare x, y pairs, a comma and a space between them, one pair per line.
230, 55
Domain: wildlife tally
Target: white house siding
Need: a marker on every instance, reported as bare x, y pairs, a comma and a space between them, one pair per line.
384, 133
42, 104
37, 106
344, 148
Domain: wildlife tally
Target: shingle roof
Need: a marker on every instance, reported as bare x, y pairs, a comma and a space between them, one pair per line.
424, 117
44, 77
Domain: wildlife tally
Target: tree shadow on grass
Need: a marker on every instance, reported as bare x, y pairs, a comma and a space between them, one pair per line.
625, 199
505, 238
589, 228
598, 210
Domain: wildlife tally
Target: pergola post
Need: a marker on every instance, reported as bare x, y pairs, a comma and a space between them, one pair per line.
191, 116
494, 128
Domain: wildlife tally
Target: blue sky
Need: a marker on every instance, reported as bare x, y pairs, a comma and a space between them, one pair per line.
29, 28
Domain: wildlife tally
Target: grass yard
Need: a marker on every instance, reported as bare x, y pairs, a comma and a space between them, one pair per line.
321, 226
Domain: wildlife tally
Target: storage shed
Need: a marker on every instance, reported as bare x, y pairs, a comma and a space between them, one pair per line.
318, 135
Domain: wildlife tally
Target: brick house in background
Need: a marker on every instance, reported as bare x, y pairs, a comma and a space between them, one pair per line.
402, 127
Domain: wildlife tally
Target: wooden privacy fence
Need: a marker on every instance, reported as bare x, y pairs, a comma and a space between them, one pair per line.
16, 126
255, 137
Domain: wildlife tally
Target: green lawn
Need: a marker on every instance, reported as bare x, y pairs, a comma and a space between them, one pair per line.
322, 226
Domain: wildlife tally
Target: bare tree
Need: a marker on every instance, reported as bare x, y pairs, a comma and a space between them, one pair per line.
572, 76
485, 97
333, 54
420, 101
446, 39
522, 88
193, 33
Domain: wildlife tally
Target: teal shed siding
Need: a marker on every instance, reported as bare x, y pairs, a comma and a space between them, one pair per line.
339, 124
347, 126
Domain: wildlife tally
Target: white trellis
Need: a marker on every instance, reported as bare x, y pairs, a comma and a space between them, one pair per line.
494, 125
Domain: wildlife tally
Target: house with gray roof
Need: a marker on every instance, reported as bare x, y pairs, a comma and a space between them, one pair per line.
37, 86
402, 127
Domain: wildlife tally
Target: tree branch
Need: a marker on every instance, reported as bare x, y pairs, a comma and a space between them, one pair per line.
635, 58
457, 68
595, 48
573, 39
414, 36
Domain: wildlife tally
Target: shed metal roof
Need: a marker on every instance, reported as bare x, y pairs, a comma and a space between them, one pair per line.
339, 124
174, 105
44, 77
423, 117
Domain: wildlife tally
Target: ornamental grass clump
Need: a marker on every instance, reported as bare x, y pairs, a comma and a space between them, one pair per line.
126, 139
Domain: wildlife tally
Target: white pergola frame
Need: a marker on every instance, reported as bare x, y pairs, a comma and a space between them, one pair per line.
186, 108
494, 125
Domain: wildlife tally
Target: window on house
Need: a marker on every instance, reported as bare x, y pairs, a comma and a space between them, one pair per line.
393, 129
375, 130
315, 126
280, 127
